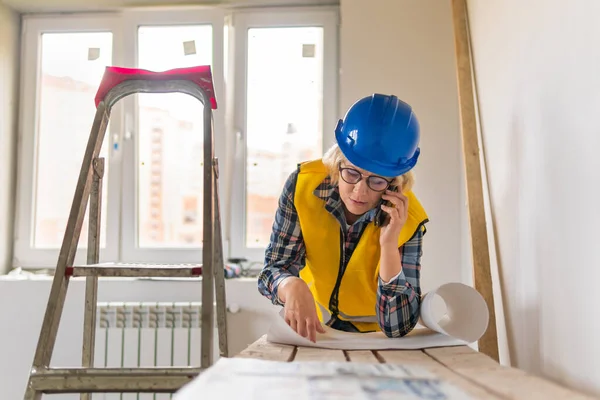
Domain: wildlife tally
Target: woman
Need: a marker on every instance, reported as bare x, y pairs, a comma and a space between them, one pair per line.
327, 261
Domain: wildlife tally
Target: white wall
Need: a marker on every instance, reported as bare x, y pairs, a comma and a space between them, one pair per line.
19, 335
406, 48
537, 65
9, 55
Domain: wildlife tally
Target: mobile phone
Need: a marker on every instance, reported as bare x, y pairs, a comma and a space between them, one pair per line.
381, 217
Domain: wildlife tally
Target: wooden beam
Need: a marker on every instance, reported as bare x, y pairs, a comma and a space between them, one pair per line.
488, 344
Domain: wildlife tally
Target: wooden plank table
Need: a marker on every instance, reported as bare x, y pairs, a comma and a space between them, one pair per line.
473, 372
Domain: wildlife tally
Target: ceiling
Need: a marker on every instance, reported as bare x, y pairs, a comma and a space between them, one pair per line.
37, 6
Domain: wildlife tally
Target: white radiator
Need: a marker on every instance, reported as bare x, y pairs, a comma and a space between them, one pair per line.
148, 335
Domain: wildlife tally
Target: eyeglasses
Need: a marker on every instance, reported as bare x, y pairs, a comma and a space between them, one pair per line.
353, 176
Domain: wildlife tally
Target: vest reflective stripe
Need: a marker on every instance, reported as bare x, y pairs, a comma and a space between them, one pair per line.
357, 288
324, 312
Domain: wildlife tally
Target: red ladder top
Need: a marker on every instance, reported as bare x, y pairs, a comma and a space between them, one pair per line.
200, 75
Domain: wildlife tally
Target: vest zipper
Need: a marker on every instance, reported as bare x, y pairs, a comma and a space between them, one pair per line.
333, 300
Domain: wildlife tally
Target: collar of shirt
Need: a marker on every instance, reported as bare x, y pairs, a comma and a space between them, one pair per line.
333, 203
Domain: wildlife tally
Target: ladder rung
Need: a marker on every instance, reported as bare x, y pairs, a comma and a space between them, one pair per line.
119, 380
136, 270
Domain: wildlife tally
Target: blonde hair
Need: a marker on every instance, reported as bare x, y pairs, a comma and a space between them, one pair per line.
334, 157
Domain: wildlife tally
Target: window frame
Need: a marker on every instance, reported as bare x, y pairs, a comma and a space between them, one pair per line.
328, 19
229, 45
25, 254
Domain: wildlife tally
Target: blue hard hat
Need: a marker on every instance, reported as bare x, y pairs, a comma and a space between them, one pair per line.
380, 134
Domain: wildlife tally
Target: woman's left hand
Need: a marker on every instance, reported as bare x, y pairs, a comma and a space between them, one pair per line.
397, 217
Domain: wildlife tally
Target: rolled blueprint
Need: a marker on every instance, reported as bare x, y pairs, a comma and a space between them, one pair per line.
466, 317
463, 321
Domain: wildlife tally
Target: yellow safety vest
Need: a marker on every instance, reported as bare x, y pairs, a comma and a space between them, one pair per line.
321, 232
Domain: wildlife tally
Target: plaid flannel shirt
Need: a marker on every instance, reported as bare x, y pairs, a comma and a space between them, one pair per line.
398, 301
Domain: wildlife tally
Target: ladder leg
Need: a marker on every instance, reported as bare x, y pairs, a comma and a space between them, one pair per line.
32, 394
58, 291
93, 257
208, 245
219, 272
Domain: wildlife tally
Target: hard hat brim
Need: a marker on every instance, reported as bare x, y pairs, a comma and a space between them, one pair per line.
373, 166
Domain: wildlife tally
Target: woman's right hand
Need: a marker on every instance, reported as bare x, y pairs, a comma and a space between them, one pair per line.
299, 308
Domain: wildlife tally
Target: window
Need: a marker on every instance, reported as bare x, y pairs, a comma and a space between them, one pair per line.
61, 72
287, 101
70, 71
280, 96
170, 128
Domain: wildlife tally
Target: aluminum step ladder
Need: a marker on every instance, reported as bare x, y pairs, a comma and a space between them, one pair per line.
116, 84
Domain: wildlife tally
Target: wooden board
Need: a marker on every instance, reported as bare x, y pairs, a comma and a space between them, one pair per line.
417, 357
313, 354
511, 383
475, 373
482, 277
364, 356
269, 351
